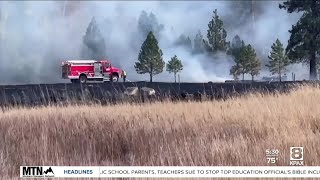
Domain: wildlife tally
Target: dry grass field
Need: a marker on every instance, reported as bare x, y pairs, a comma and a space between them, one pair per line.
232, 132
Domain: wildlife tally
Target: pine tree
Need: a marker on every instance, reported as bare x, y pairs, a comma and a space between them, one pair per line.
206, 46
244, 14
216, 34
181, 40
198, 46
94, 44
174, 66
156, 26
236, 42
304, 42
184, 42
150, 57
188, 44
235, 72
238, 47
147, 23
235, 47
247, 62
254, 64
242, 61
278, 59
254, 67
144, 25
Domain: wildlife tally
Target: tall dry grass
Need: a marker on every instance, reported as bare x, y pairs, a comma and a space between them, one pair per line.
232, 132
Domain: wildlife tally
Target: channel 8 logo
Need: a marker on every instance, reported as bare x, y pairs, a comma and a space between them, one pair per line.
296, 153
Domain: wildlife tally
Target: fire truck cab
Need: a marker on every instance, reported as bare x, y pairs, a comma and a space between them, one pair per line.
89, 70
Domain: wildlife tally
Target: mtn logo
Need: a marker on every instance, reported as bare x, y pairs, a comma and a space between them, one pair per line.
36, 171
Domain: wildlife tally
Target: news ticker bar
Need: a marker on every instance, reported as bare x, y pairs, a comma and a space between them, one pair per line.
169, 171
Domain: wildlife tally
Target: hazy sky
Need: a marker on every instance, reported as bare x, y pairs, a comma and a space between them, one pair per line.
36, 36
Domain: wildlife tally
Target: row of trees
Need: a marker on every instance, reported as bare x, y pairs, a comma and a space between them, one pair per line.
246, 62
150, 59
245, 57
303, 45
215, 42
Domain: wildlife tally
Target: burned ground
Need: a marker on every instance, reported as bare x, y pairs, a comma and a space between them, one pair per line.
111, 93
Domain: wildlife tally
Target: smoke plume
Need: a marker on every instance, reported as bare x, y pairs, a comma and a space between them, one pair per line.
37, 35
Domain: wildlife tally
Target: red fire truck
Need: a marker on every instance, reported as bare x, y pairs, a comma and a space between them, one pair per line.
89, 70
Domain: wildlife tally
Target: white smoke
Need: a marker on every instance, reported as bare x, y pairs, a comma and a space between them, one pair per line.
37, 35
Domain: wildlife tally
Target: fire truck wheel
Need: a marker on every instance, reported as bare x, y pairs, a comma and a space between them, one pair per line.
114, 78
83, 79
